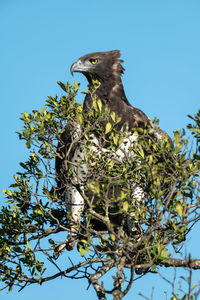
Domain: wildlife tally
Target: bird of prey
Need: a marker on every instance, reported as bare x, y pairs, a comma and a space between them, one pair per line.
107, 69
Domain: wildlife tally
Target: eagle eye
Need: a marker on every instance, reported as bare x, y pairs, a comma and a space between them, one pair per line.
93, 61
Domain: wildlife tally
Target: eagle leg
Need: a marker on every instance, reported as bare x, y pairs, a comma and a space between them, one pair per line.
74, 203
133, 226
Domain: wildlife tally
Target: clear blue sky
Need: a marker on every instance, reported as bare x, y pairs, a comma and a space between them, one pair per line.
40, 39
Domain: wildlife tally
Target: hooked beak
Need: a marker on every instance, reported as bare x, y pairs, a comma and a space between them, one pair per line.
73, 68
78, 66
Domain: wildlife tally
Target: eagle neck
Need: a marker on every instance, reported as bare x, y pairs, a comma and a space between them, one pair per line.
114, 90
110, 92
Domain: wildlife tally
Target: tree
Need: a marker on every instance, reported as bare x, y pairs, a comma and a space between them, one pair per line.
117, 233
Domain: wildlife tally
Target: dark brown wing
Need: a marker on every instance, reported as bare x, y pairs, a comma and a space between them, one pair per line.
140, 120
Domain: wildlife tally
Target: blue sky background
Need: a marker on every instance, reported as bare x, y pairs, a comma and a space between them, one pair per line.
40, 39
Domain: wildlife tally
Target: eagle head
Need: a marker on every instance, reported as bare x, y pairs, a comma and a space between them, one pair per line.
99, 65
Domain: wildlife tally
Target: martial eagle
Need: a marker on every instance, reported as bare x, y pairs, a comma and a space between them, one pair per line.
107, 69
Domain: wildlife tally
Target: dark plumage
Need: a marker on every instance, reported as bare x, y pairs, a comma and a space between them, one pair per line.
107, 69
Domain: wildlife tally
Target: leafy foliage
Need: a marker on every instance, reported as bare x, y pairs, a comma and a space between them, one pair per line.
116, 230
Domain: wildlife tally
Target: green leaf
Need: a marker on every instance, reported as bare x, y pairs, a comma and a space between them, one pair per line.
28, 244
153, 268
179, 209
81, 250
112, 237
15, 207
99, 103
108, 127
177, 137
194, 285
80, 118
115, 139
125, 206
10, 288
142, 152
94, 187
94, 104
38, 211
17, 249
8, 192
123, 195
113, 116
175, 297
62, 86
